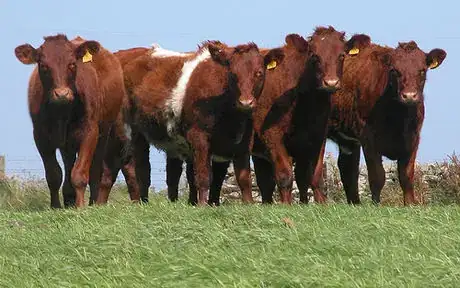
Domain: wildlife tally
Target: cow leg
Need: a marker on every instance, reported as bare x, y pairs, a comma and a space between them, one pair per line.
80, 171
201, 163
192, 194
317, 182
129, 172
109, 176
265, 178
97, 165
111, 165
219, 170
349, 173
375, 170
406, 170
141, 150
243, 177
68, 191
173, 173
53, 171
283, 172
301, 172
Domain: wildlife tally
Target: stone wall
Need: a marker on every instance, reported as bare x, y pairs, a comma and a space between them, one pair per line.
428, 174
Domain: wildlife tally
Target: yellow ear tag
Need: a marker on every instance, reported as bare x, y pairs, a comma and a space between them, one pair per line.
87, 57
271, 65
434, 64
353, 51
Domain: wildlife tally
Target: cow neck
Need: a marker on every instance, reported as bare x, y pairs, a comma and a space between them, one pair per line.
399, 114
60, 117
231, 120
311, 102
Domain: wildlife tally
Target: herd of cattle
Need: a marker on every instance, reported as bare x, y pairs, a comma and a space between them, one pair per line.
223, 103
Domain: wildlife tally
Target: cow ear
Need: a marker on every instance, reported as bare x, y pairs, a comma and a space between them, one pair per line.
435, 58
219, 53
357, 43
86, 49
273, 58
297, 41
26, 54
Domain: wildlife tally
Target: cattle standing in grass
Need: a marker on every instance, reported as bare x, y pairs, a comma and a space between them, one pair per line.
119, 155
195, 106
290, 119
381, 108
75, 94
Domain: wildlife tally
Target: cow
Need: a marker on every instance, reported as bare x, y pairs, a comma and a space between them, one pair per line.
74, 96
195, 106
381, 108
290, 120
119, 154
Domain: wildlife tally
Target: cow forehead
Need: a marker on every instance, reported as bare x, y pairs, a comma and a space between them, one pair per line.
409, 60
250, 57
329, 43
56, 50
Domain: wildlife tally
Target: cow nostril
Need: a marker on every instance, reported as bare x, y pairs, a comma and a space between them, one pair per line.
331, 82
409, 95
247, 103
61, 92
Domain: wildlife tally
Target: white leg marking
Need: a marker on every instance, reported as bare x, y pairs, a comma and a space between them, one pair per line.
127, 131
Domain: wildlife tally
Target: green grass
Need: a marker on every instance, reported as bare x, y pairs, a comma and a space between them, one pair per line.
175, 245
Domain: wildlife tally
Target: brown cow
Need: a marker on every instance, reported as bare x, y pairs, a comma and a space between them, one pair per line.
194, 105
119, 153
290, 119
75, 94
381, 108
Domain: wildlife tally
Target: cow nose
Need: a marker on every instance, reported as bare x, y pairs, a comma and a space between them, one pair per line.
409, 96
331, 82
248, 103
61, 92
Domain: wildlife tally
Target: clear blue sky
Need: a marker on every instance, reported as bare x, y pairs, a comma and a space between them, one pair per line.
181, 25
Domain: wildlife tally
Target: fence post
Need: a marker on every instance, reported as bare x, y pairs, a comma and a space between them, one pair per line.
2, 166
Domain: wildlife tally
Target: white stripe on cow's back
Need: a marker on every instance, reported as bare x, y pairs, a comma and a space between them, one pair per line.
160, 52
176, 99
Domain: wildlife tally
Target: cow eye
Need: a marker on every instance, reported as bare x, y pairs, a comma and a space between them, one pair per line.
72, 66
314, 58
342, 56
423, 73
396, 73
43, 67
259, 73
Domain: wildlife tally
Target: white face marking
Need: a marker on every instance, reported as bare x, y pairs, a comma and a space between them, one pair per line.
323, 38
175, 102
162, 53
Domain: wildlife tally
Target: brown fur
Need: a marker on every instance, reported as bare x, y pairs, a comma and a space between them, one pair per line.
215, 117
382, 107
119, 155
71, 111
291, 117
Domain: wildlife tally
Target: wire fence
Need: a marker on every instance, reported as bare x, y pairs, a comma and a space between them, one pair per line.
31, 168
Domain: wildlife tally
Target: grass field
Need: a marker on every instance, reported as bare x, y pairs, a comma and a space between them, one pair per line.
175, 245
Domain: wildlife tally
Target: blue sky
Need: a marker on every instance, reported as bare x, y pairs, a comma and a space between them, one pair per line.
181, 25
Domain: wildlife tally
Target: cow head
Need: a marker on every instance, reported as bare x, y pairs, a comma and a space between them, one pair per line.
407, 65
58, 61
247, 68
327, 52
